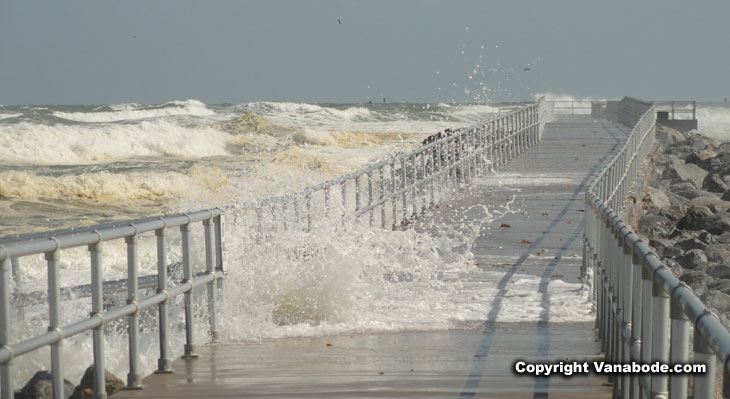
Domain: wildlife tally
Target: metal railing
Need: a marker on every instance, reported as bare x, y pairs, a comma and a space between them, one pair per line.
678, 108
644, 313
394, 191
573, 107
52, 245
403, 185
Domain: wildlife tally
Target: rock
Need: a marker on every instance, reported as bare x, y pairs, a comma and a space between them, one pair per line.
719, 271
726, 196
679, 171
698, 157
675, 213
701, 142
694, 259
656, 199
716, 224
707, 238
710, 201
714, 183
40, 386
86, 386
691, 243
723, 238
659, 245
694, 193
719, 164
691, 277
677, 200
719, 253
682, 186
721, 284
668, 136
718, 300
653, 225
693, 218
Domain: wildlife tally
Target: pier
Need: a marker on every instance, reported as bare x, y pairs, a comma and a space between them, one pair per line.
568, 179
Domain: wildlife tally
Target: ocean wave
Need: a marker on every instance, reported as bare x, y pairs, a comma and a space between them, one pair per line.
132, 111
62, 144
114, 188
8, 116
302, 112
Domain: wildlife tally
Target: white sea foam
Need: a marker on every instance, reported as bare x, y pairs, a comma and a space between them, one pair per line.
8, 116
64, 144
714, 122
134, 111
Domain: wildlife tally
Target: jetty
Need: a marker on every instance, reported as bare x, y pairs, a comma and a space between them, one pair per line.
570, 175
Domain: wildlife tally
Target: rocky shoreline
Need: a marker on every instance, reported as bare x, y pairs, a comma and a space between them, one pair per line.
685, 214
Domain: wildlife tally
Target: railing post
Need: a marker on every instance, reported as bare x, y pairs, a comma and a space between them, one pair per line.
163, 362
703, 385
646, 318
343, 187
308, 205
210, 270
218, 230
189, 351
357, 194
6, 369
54, 320
404, 184
393, 195
414, 189
134, 377
679, 349
660, 339
382, 196
97, 310
636, 317
370, 198
327, 202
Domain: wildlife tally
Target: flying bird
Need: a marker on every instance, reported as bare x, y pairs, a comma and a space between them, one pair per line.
526, 69
340, 22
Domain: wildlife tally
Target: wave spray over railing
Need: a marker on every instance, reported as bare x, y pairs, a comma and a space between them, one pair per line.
644, 313
391, 193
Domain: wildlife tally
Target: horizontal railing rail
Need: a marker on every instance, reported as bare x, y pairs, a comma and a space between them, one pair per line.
678, 107
644, 313
404, 185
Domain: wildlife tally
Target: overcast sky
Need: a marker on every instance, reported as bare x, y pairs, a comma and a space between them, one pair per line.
98, 52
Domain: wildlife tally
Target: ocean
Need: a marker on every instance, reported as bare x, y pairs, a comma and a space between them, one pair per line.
63, 166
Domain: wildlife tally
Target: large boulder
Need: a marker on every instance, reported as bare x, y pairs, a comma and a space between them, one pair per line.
694, 193
719, 271
691, 277
694, 259
700, 142
718, 300
682, 186
694, 217
719, 164
656, 199
718, 253
40, 386
715, 224
726, 196
723, 238
85, 389
655, 226
712, 202
691, 243
668, 136
714, 183
700, 156
675, 213
679, 171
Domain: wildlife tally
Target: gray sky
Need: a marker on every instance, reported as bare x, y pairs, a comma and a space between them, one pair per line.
98, 52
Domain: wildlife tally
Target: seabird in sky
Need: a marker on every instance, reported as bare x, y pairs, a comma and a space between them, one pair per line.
340, 22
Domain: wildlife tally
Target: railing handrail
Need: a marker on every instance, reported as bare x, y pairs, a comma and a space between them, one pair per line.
620, 258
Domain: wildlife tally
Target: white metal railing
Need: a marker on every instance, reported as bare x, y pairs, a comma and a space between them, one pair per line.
52, 245
392, 191
643, 311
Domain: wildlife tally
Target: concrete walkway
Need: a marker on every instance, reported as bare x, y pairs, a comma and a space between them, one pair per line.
474, 361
